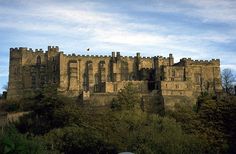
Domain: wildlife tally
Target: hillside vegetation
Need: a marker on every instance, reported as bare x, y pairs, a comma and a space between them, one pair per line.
60, 125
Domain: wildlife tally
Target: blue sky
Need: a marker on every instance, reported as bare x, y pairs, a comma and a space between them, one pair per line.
202, 29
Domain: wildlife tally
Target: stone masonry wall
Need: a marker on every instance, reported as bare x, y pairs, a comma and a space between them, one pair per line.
72, 74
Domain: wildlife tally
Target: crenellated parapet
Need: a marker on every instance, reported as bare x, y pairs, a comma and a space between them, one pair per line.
189, 61
53, 48
24, 49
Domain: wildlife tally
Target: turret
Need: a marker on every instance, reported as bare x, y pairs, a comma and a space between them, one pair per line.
138, 54
113, 54
171, 59
118, 55
52, 48
15, 74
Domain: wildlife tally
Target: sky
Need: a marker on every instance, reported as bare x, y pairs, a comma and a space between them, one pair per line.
202, 29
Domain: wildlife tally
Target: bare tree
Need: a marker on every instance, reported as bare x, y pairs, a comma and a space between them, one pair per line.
5, 87
227, 80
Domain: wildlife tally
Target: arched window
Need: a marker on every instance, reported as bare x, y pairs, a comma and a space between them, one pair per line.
90, 65
173, 73
38, 62
96, 78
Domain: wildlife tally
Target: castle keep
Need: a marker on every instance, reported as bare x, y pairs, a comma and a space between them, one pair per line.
104, 76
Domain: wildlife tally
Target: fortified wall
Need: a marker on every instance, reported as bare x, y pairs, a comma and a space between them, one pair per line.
93, 76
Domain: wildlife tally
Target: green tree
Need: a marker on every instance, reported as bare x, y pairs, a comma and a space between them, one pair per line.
217, 116
68, 128
41, 119
74, 139
209, 120
127, 98
12, 142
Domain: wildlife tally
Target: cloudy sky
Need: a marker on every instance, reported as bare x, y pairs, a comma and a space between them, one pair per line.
202, 29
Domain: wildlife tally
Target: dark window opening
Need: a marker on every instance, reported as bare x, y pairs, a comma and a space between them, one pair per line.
54, 80
38, 62
54, 68
33, 81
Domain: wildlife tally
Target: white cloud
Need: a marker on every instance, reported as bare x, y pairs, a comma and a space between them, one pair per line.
206, 10
214, 10
102, 30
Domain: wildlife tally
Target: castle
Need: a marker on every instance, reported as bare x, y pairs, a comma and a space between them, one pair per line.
102, 77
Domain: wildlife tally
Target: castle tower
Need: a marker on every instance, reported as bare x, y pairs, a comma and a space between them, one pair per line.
171, 59
15, 85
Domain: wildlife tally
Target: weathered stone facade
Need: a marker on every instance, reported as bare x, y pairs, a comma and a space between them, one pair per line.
84, 75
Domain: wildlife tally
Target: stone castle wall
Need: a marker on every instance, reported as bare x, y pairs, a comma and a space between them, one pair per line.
74, 74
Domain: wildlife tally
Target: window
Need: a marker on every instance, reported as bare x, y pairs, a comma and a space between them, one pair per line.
38, 61
85, 83
43, 80
173, 73
131, 76
198, 78
96, 78
102, 63
177, 86
115, 87
54, 68
16, 71
33, 81
54, 79
90, 65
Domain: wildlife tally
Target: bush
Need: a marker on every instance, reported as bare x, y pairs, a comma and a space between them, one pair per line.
12, 106
128, 98
12, 142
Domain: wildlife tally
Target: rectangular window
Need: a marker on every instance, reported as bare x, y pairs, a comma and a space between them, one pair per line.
43, 80
198, 78
173, 73
177, 86
54, 79
33, 81
54, 68
115, 87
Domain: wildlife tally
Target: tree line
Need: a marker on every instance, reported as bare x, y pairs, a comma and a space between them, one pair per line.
60, 125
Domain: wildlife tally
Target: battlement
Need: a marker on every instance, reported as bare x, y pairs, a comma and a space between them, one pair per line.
183, 61
85, 56
73, 55
147, 57
189, 61
162, 58
18, 49
24, 49
53, 48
